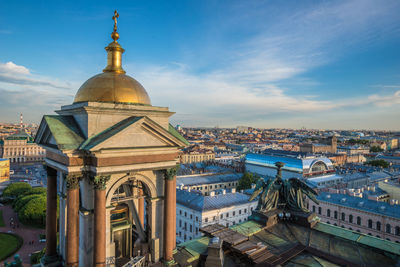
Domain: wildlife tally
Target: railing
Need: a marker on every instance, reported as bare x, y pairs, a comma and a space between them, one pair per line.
138, 261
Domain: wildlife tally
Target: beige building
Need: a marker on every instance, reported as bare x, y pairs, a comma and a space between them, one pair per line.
206, 183
362, 215
20, 148
196, 154
329, 147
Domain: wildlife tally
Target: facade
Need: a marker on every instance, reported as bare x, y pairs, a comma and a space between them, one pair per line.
329, 147
111, 157
196, 154
206, 183
362, 215
4, 170
297, 164
194, 210
20, 148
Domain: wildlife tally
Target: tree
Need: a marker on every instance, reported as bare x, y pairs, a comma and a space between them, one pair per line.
16, 189
246, 181
34, 212
378, 163
375, 149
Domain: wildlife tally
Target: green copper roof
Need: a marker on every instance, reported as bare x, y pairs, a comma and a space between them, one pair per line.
65, 131
107, 133
195, 247
368, 240
22, 135
175, 133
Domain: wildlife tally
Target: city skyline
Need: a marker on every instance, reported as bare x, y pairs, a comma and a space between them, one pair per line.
331, 65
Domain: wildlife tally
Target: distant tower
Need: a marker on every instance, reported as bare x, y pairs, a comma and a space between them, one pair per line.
21, 124
333, 144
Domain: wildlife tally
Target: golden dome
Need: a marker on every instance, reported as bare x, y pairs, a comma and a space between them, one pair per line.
113, 85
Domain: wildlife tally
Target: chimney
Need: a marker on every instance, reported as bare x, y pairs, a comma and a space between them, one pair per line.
215, 254
212, 193
188, 189
233, 190
253, 186
223, 192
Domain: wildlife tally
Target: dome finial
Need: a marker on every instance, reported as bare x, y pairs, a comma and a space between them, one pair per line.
115, 34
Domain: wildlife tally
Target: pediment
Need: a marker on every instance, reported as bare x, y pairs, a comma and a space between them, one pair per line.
133, 132
61, 132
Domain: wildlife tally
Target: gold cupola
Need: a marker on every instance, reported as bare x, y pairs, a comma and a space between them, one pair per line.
113, 86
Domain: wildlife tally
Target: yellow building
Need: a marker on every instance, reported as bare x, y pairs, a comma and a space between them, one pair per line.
4, 170
20, 148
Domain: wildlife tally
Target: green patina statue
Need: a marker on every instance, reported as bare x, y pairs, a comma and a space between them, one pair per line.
283, 194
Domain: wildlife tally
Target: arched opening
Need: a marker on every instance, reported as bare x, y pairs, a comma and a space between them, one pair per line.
130, 231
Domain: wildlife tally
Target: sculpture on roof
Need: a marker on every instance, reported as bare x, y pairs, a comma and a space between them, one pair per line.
283, 194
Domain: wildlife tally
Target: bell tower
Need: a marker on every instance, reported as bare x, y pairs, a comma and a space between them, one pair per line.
111, 159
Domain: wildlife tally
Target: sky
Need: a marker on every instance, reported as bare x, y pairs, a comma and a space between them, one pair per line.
267, 64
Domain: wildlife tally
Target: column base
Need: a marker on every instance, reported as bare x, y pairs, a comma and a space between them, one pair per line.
170, 262
50, 261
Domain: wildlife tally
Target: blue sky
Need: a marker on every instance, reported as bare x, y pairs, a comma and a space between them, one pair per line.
292, 64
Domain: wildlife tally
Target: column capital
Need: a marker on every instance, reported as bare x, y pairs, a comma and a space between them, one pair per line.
100, 181
170, 173
73, 181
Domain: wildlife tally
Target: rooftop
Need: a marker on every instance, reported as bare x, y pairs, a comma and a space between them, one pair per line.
196, 201
199, 179
364, 204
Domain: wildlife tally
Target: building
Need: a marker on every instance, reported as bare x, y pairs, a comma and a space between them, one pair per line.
329, 147
4, 170
297, 164
351, 150
362, 215
195, 210
206, 183
20, 148
195, 154
112, 158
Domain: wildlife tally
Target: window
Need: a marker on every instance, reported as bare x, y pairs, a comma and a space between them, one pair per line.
214, 218
190, 227
180, 223
191, 216
197, 231
210, 186
227, 215
328, 212
184, 237
245, 210
233, 214
313, 208
369, 223
240, 212
351, 218
185, 227
197, 219
180, 212
358, 220
222, 216
343, 216
185, 214
397, 230
319, 210
388, 228
335, 214
378, 226
227, 224
206, 220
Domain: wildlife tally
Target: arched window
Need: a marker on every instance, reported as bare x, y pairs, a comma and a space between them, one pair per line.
313, 208
343, 216
397, 230
378, 226
351, 218
358, 220
335, 214
328, 212
388, 228
369, 223
319, 210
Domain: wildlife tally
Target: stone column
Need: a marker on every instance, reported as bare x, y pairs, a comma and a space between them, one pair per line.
169, 215
99, 255
51, 213
72, 182
141, 204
